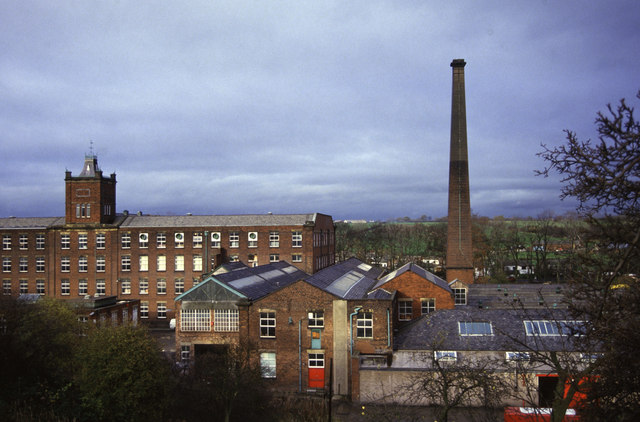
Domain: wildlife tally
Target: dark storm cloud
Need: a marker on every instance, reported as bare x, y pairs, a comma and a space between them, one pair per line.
336, 107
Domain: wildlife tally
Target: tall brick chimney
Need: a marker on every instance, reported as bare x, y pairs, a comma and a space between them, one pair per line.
459, 247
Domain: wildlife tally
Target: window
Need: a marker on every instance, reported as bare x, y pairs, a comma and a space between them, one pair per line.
197, 263
125, 262
253, 239
40, 287
178, 285
82, 241
296, 239
316, 360
143, 240
517, 356
101, 287
179, 240
65, 287
39, 241
274, 239
268, 364
215, 239
234, 239
179, 263
6, 287
40, 264
268, 324
6, 242
125, 286
553, 328
252, 260
405, 309
161, 240
185, 353
65, 264
65, 241
143, 285
23, 264
144, 309
460, 296
234, 258
466, 328
364, 325
83, 287
143, 263
296, 257
83, 264
445, 355
162, 263
161, 286
316, 319
101, 264
23, 242
226, 320
590, 357
274, 257
24, 287
100, 240
6, 264
125, 241
197, 240
428, 305
162, 309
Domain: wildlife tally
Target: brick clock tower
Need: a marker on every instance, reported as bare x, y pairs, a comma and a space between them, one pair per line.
459, 246
90, 197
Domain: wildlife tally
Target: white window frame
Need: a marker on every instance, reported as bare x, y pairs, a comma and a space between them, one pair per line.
274, 257
316, 360
101, 240
6, 264
40, 286
6, 287
143, 263
83, 287
143, 240
475, 328
296, 239
65, 241
296, 257
252, 239
125, 240
428, 304
460, 295
101, 263
316, 319
65, 264
23, 242
125, 286
83, 264
178, 286
234, 239
405, 314
517, 356
144, 309
192, 320
226, 320
267, 324
161, 240
6, 242
161, 310
143, 286
65, 287
23, 264
83, 240
23, 287
40, 241
445, 355
161, 263
178, 239
215, 239
364, 325
125, 263
268, 364
179, 263
101, 287
197, 263
197, 240
274, 239
40, 264
161, 286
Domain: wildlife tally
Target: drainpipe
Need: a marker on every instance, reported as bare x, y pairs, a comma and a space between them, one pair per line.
355, 312
300, 356
388, 328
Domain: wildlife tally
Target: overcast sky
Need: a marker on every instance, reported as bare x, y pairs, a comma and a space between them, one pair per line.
344, 107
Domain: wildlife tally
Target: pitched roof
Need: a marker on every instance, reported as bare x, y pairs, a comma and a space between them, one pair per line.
417, 270
508, 327
350, 279
250, 283
30, 222
142, 221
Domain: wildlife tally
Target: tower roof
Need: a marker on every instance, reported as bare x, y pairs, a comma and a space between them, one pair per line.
90, 166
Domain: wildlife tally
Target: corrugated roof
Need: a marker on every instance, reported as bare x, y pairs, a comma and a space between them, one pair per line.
505, 296
417, 270
219, 220
30, 222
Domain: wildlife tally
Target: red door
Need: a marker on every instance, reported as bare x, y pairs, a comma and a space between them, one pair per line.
316, 370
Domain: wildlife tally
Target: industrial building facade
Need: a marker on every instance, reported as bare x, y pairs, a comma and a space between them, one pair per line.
92, 251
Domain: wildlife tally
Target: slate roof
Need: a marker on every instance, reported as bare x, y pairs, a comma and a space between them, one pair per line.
250, 283
441, 327
218, 220
508, 296
350, 279
30, 222
417, 270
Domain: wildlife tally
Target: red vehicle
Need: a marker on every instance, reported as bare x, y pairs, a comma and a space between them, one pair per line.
533, 414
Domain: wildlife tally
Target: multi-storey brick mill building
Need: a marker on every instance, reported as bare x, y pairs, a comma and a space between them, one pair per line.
94, 251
